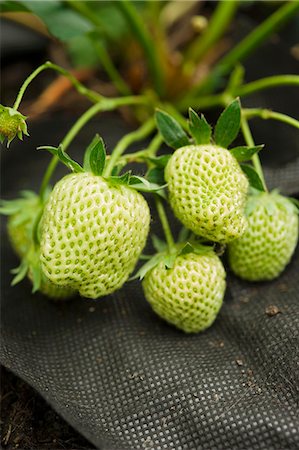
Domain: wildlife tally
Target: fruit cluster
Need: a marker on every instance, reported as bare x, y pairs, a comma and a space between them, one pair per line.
87, 235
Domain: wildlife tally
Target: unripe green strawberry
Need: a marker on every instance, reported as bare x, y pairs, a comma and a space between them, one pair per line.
19, 233
207, 191
92, 234
12, 124
267, 246
190, 294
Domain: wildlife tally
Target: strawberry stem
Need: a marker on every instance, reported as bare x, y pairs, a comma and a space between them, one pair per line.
269, 114
255, 158
91, 95
165, 224
127, 140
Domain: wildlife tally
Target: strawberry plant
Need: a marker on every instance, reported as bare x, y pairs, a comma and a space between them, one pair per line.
86, 234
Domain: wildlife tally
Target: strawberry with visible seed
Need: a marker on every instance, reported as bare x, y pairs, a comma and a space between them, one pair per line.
207, 191
93, 228
188, 295
24, 212
266, 247
92, 234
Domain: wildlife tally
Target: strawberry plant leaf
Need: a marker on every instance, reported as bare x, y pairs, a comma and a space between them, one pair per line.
245, 153
156, 175
86, 164
159, 161
171, 131
228, 124
120, 179
64, 157
200, 130
97, 156
253, 177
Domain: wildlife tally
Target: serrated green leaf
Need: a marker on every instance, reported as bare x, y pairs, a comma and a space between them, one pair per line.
68, 161
171, 131
159, 245
63, 22
200, 130
86, 165
120, 179
97, 157
63, 157
253, 177
228, 124
156, 175
245, 153
159, 161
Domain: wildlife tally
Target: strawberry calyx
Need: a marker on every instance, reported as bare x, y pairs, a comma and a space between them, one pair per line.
12, 124
25, 212
95, 162
270, 201
168, 257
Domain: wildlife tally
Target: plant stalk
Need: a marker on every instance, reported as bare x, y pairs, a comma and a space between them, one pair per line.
91, 95
165, 223
255, 158
268, 114
143, 37
217, 26
127, 140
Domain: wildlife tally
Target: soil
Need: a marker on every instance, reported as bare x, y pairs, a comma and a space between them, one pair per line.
28, 422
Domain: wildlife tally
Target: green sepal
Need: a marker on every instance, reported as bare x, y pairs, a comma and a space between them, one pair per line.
200, 130
159, 245
171, 131
63, 157
228, 124
20, 272
253, 177
36, 273
183, 234
95, 156
148, 266
138, 183
168, 258
245, 153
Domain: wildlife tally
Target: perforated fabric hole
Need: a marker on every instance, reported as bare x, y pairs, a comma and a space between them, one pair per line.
207, 191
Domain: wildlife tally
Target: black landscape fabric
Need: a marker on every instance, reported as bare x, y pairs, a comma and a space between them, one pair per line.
127, 380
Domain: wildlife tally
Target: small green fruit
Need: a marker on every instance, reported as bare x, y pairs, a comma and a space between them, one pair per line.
12, 124
92, 234
266, 247
207, 191
190, 294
